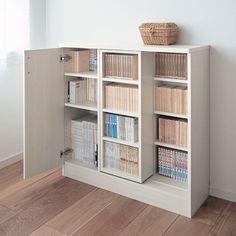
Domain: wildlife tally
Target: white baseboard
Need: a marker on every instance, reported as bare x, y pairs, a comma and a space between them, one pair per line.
230, 196
11, 160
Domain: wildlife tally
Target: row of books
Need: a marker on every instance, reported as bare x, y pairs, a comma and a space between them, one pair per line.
93, 60
78, 62
84, 140
121, 66
121, 127
171, 99
121, 97
82, 90
173, 131
121, 158
171, 65
173, 164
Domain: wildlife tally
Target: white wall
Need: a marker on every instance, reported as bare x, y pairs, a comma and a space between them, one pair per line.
27, 18
202, 22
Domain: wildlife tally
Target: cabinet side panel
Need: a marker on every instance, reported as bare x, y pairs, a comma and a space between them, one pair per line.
200, 128
44, 111
147, 83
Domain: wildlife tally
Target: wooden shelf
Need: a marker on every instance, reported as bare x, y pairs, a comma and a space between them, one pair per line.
89, 74
171, 80
115, 140
121, 174
79, 163
121, 80
90, 106
123, 113
171, 114
171, 146
170, 182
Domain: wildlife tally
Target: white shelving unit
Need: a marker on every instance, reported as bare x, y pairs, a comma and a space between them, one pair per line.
47, 116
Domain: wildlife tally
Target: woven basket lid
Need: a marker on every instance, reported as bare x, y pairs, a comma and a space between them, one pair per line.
160, 26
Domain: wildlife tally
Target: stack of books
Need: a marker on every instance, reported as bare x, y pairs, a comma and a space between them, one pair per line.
121, 127
84, 140
173, 131
121, 66
173, 164
171, 99
121, 97
79, 61
172, 65
82, 90
121, 157
92, 59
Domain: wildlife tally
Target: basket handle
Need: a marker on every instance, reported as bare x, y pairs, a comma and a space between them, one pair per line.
152, 30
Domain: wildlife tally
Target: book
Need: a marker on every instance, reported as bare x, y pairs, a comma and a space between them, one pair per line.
123, 66
84, 140
173, 131
121, 158
173, 164
121, 97
172, 99
82, 90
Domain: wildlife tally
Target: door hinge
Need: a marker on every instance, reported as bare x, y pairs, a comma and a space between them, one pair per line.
66, 152
65, 58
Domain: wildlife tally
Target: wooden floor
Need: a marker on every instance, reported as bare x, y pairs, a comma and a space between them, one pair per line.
51, 204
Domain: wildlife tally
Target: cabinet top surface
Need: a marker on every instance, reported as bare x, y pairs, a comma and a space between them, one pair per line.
178, 48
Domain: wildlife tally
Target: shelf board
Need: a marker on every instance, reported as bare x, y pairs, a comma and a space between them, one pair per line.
171, 80
171, 114
89, 74
121, 80
120, 174
90, 106
115, 140
79, 163
171, 146
123, 113
169, 182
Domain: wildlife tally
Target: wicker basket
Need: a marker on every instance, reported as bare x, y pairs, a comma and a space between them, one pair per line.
159, 33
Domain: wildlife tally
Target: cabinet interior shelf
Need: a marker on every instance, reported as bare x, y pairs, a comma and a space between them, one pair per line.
124, 113
171, 146
121, 80
115, 140
120, 174
90, 106
171, 114
170, 182
171, 80
89, 74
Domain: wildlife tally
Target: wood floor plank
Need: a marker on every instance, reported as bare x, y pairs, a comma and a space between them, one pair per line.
24, 184
5, 214
152, 222
66, 192
226, 223
46, 231
210, 210
185, 227
25, 196
11, 175
82, 211
113, 218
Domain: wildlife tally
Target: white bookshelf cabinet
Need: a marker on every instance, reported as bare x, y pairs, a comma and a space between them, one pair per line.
48, 115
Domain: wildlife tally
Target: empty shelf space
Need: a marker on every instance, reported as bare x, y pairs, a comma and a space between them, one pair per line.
124, 113
171, 146
171, 80
90, 106
79, 163
88, 74
121, 80
171, 114
115, 140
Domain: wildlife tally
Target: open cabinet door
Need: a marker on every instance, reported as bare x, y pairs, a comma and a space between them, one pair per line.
43, 111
